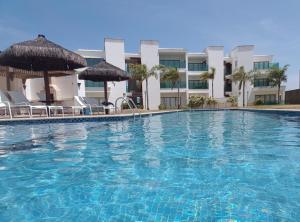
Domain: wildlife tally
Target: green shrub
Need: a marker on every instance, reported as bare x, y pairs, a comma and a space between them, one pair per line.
211, 101
162, 107
232, 100
196, 101
258, 102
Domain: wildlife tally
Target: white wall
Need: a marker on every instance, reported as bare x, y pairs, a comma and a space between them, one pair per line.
81, 88
115, 54
242, 56
150, 57
65, 87
33, 88
216, 59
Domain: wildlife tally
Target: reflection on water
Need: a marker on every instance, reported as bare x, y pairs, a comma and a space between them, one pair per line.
198, 166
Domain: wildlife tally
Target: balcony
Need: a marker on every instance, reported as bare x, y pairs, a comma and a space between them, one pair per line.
261, 83
92, 84
265, 65
198, 67
168, 85
198, 84
274, 65
178, 64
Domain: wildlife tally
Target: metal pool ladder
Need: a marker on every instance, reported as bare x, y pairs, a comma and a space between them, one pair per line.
130, 103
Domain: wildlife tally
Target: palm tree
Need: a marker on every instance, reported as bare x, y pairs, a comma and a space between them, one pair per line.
242, 77
209, 75
276, 76
140, 72
172, 75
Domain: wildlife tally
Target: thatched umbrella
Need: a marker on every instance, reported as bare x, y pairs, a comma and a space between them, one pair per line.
43, 56
103, 72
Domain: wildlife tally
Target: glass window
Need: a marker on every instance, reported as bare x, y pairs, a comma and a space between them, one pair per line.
266, 99
261, 65
172, 63
92, 62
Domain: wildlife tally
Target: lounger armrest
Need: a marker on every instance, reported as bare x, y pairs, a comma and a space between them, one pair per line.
22, 104
7, 103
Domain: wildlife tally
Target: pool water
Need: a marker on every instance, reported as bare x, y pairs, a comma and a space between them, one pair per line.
190, 166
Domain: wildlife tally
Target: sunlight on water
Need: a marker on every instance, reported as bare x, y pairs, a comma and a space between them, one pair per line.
225, 166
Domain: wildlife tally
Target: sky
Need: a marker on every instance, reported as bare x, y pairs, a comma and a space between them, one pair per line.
272, 26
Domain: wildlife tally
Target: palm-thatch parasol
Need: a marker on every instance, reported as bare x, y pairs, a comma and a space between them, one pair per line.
103, 72
41, 55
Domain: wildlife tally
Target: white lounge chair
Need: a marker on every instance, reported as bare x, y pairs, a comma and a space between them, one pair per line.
42, 97
19, 99
6, 103
92, 103
79, 105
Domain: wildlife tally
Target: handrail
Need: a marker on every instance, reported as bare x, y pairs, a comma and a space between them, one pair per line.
129, 101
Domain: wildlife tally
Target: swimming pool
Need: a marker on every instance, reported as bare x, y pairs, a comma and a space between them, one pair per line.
188, 166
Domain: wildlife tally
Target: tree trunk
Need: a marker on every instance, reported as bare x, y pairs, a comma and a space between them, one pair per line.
243, 94
147, 95
178, 95
47, 88
105, 97
278, 94
212, 88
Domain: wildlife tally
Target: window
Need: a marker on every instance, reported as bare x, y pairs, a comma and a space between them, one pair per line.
198, 84
261, 82
92, 62
261, 65
89, 83
266, 99
172, 63
197, 67
170, 102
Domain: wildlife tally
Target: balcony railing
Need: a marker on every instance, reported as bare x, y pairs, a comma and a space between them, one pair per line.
198, 67
261, 83
92, 84
172, 63
198, 84
168, 85
274, 65
265, 65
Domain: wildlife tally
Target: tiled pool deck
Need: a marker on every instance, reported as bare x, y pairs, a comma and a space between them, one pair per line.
72, 119
114, 117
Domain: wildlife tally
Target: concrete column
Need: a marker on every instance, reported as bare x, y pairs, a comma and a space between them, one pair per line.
150, 57
215, 56
242, 56
115, 55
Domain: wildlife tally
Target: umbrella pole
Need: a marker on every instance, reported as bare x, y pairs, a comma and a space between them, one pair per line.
8, 82
105, 96
47, 88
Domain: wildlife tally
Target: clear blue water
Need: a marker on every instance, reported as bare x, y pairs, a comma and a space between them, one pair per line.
199, 166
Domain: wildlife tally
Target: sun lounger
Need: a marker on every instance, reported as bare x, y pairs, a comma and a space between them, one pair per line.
93, 104
18, 99
12, 107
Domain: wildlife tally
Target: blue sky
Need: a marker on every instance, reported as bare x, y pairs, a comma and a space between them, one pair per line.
273, 26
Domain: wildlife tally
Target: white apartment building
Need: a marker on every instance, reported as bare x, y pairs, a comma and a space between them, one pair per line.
189, 64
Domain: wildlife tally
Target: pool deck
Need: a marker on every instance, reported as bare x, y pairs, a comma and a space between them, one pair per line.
271, 110
81, 118
115, 117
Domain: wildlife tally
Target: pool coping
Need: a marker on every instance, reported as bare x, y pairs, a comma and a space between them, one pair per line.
76, 119
278, 111
116, 117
